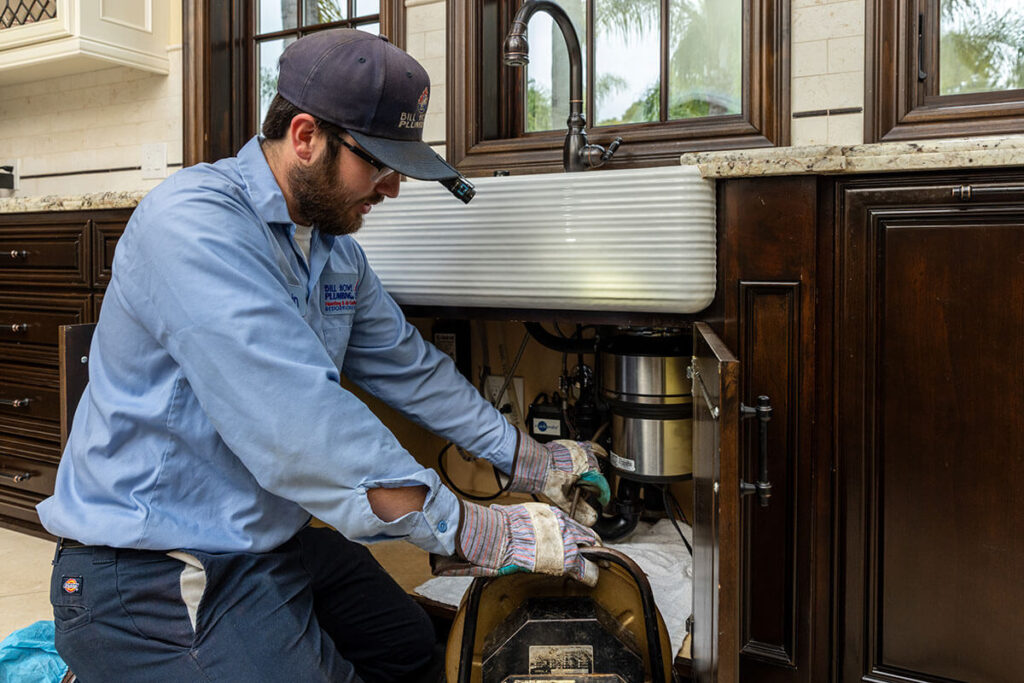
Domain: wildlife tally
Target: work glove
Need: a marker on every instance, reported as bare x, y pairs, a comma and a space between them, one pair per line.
530, 537
554, 469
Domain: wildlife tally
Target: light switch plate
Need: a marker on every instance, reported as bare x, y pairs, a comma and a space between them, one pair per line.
154, 160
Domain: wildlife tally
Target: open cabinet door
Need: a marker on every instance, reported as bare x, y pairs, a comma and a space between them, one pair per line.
716, 509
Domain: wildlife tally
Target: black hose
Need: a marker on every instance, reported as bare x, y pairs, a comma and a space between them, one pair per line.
561, 344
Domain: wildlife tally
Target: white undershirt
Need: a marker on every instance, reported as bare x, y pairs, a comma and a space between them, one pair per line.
303, 237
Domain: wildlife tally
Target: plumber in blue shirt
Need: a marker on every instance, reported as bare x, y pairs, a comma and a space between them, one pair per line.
214, 425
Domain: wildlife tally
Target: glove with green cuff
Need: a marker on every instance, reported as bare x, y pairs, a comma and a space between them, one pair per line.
531, 537
553, 469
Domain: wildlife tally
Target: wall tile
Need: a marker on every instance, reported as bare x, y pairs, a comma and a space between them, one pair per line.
846, 54
846, 129
810, 59
809, 131
834, 20
810, 93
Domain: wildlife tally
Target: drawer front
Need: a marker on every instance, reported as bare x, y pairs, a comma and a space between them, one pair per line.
20, 505
26, 475
29, 402
45, 254
29, 322
105, 236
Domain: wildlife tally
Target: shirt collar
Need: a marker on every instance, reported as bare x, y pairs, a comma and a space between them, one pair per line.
262, 187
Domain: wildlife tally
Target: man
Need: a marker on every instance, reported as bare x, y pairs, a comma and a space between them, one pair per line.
214, 425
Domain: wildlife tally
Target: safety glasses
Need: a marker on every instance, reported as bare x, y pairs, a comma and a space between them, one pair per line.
382, 170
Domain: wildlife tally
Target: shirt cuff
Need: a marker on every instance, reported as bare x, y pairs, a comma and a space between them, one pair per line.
504, 457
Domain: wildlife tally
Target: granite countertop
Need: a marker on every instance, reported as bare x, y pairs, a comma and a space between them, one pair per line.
882, 157
81, 202
986, 152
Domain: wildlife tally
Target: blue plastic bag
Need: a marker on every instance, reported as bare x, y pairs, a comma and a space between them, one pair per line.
28, 656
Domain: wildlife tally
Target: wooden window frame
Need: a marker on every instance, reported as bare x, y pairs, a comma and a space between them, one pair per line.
218, 70
764, 121
899, 106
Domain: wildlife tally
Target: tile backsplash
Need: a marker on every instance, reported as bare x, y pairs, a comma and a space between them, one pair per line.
86, 132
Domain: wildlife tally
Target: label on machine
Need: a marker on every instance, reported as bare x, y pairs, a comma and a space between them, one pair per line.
561, 659
621, 463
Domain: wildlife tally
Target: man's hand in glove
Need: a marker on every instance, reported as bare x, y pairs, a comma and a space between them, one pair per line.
531, 537
552, 470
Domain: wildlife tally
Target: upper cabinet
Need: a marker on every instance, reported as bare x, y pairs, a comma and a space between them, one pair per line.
47, 38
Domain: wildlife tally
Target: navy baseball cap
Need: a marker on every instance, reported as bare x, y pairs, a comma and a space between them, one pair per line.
375, 91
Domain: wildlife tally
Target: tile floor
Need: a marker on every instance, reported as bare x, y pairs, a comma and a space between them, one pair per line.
24, 580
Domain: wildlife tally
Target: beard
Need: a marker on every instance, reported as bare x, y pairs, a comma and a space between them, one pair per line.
323, 200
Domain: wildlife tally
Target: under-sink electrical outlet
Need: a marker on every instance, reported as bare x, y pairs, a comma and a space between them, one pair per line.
493, 385
154, 160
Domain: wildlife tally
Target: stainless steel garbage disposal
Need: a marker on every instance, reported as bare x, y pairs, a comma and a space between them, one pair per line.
644, 382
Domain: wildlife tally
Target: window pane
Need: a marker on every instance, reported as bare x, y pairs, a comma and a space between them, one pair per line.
277, 15
373, 27
547, 101
325, 11
267, 54
627, 60
981, 46
366, 7
705, 58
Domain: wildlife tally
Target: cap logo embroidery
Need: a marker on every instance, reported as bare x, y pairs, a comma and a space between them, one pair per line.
415, 119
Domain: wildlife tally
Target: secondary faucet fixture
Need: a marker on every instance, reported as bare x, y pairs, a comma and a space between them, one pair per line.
577, 153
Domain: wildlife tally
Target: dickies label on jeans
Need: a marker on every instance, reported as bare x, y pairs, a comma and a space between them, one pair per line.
338, 293
72, 585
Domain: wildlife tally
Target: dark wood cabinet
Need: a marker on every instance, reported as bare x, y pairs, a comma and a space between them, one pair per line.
929, 418
53, 268
768, 303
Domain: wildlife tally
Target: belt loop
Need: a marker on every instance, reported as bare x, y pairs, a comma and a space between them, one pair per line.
56, 552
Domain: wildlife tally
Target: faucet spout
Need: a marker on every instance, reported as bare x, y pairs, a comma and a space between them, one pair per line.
577, 154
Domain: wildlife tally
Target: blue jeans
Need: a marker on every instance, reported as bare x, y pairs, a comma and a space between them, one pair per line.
318, 608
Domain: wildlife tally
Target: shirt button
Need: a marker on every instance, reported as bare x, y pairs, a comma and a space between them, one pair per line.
442, 526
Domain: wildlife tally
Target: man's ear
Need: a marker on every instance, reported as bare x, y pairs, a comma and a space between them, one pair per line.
302, 136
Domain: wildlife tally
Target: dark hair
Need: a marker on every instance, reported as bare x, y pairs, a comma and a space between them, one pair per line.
279, 118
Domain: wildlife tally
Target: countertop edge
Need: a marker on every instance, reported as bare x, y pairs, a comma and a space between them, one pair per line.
82, 202
886, 157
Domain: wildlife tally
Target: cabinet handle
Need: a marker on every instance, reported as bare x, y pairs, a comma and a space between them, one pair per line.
15, 476
15, 402
966, 193
19, 327
16, 254
763, 487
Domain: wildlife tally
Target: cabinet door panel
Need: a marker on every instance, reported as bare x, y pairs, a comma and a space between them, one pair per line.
716, 493
930, 367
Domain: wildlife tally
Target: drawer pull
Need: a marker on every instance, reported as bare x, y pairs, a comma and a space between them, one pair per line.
16, 254
15, 476
15, 402
19, 327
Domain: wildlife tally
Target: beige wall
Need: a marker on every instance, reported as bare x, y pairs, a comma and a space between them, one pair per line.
61, 128
828, 70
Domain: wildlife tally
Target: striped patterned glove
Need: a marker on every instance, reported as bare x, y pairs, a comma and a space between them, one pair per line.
553, 469
531, 537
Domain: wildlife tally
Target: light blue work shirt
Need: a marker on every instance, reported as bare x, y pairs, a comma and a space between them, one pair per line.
214, 418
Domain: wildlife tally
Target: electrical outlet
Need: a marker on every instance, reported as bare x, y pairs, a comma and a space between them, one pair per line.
15, 165
153, 160
494, 383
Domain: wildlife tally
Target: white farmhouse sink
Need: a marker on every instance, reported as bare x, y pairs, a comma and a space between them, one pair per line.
632, 240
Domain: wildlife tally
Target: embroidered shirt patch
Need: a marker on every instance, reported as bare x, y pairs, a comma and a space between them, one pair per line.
339, 294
